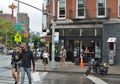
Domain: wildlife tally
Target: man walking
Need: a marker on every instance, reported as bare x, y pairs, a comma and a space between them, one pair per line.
27, 57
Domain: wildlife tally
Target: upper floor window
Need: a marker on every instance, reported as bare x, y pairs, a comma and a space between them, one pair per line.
61, 9
118, 7
80, 12
101, 8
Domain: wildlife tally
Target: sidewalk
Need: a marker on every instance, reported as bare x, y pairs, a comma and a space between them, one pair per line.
72, 68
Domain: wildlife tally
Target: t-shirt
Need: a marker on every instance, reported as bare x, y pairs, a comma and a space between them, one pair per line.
45, 55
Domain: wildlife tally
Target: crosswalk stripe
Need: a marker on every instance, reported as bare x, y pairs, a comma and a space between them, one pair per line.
44, 74
6, 77
96, 80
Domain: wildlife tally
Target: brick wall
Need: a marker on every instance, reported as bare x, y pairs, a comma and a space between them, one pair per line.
91, 8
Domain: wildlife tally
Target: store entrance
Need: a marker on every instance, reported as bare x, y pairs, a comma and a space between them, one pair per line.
74, 47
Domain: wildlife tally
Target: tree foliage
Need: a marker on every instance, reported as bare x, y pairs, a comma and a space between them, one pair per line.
6, 30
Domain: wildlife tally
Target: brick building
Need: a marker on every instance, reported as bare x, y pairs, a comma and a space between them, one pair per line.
88, 23
7, 17
23, 18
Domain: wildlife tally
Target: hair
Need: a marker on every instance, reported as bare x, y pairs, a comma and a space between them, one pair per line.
16, 45
24, 44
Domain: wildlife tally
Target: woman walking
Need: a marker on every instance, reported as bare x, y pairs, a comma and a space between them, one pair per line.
16, 64
63, 58
45, 56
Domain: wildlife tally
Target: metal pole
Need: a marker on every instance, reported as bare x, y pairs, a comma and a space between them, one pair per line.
5, 50
53, 63
17, 19
30, 33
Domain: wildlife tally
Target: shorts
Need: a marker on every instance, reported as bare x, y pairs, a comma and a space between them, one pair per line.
45, 60
62, 58
16, 66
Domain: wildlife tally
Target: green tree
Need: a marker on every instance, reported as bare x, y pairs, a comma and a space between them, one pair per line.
6, 29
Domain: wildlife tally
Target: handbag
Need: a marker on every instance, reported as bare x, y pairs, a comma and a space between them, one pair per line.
35, 76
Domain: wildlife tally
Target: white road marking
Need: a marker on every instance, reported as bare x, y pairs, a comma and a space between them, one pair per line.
96, 80
44, 74
6, 75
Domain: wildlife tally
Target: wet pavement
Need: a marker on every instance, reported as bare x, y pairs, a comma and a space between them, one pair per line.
72, 68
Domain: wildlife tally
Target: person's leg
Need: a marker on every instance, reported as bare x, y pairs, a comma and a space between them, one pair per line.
22, 75
44, 61
47, 61
13, 73
28, 71
64, 62
61, 61
18, 75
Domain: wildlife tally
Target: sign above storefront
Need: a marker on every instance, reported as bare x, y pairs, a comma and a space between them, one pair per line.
112, 39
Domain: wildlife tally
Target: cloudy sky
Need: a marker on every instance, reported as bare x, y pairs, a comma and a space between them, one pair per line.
34, 15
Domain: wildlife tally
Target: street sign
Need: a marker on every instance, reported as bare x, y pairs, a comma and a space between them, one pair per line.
17, 27
26, 35
17, 38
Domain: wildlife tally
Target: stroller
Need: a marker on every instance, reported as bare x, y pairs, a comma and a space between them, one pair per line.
97, 67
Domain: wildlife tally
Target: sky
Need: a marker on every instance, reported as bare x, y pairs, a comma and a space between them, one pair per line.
35, 16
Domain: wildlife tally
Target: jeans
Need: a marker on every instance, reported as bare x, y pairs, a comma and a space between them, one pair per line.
28, 71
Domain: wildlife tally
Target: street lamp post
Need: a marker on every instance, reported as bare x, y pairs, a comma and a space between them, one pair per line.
53, 63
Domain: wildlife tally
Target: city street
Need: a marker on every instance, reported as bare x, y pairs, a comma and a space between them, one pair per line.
56, 78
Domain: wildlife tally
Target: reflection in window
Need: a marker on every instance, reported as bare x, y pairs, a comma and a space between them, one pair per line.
80, 8
88, 32
72, 32
99, 32
101, 4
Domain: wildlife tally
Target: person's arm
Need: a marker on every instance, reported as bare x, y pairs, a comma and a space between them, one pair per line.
13, 57
33, 61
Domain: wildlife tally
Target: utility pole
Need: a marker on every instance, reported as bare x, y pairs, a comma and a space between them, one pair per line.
17, 18
53, 63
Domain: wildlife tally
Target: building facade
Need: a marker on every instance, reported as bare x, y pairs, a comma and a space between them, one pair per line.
7, 17
87, 23
23, 19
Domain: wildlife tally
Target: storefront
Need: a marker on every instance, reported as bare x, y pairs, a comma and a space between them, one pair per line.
75, 40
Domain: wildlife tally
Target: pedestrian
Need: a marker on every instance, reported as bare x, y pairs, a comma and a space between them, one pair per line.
27, 57
16, 64
45, 56
63, 57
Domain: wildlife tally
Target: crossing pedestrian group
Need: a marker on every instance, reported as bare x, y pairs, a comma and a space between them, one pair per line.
23, 62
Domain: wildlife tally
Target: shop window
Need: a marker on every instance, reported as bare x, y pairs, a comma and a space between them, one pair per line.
88, 32
99, 32
71, 32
